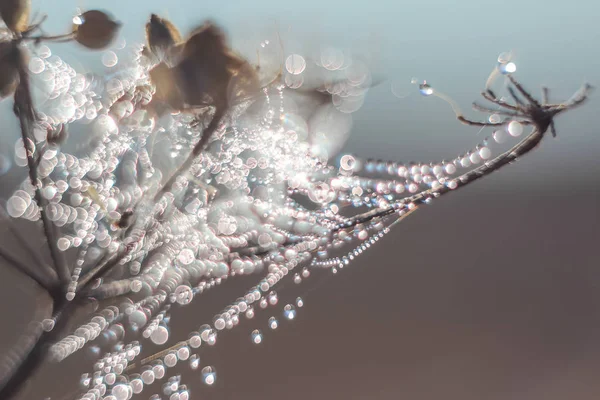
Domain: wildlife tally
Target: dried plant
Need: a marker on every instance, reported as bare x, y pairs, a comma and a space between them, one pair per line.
194, 171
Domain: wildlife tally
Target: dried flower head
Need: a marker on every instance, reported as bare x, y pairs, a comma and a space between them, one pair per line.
167, 93
161, 36
15, 14
208, 66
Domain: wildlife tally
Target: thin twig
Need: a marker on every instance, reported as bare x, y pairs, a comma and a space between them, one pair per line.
26, 114
542, 120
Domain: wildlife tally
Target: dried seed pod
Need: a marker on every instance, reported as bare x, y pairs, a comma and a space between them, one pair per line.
95, 29
15, 14
161, 35
10, 57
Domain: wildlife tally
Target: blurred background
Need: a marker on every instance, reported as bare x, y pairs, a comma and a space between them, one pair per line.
491, 292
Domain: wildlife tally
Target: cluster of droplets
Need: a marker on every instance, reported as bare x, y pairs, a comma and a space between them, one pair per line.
262, 199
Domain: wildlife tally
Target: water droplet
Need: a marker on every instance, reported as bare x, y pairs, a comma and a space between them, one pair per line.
273, 323
170, 360
425, 89
183, 353
160, 335
504, 57
515, 128
48, 324
256, 336
507, 68
295, 64
485, 153
494, 118
499, 136
209, 375
148, 376
194, 362
289, 312
122, 391
109, 59
183, 294
36, 65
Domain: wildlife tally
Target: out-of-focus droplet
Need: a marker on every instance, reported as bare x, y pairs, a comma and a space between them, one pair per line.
256, 336
36, 65
44, 51
401, 88
499, 136
289, 312
194, 362
209, 375
160, 335
48, 324
183, 294
295, 64
109, 59
5, 164
273, 323
504, 57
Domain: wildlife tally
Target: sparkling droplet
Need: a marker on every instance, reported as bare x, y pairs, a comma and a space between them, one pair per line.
194, 362
183, 294
499, 136
109, 59
289, 311
273, 323
256, 336
494, 119
48, 324
36, 65
515, 128
507, 68
209, 375
295, 64
425, 89
160, 335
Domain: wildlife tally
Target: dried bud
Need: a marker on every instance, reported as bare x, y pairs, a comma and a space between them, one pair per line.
161, 35
15, 14
95, 29
10, 57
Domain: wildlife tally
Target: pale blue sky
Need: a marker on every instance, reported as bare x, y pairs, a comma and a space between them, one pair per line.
453, 45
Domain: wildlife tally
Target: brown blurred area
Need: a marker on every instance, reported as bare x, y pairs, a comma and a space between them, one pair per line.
491, 292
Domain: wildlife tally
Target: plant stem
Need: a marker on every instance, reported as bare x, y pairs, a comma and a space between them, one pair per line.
26, 114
